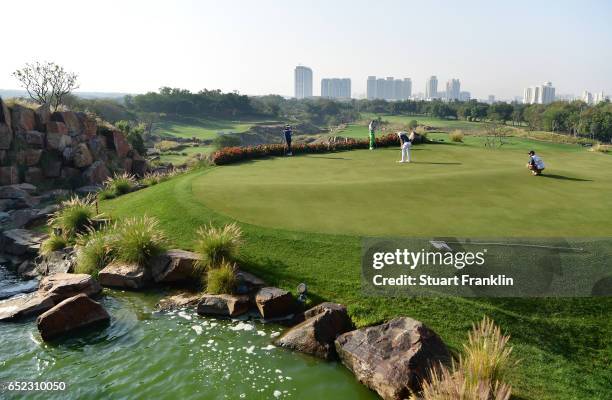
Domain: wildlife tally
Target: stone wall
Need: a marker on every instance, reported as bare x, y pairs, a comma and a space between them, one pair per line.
69, 147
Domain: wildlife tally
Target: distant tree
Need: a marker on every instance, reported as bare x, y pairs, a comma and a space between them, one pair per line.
133, 134
46, 82
500, 112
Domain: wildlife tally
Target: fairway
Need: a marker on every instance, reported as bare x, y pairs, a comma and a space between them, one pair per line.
202, 128
449, 189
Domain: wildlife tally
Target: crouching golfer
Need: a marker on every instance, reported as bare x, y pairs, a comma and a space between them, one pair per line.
371, 129
535, 164
288, 132
405, 144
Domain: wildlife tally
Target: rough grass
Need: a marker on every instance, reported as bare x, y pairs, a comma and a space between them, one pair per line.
93, 251
217, 246
74, 216
53, 243
456, 136
564, 344
120, 184
221, 280
137, 240
201, 128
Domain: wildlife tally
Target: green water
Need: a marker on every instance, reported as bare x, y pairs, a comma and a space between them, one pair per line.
145, 354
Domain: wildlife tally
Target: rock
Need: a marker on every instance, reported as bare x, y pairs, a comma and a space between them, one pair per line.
316, 335
31, 217
57, 262
123, 275
6, 132
70, 119
97, 146
22, 119
174, 266
223, 305
51, 291
43, 116
96, 173
9, 175
27, 270
70, 173
31, 157
82, 156
28, 187
247, 283
120, 144
16, 191
57, 127
180, 300
88, 124
85, 190
393, 358
126, 165
34, 175
139, 167
71, 314
34, 139
58, 141
22, 241
68, 155
275, 303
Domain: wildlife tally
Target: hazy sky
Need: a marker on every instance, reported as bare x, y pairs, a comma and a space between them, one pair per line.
252, 46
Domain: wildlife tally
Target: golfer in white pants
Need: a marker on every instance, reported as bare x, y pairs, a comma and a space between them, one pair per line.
405, 144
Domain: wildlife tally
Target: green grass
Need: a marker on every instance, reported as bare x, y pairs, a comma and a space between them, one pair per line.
202, 128
304, 216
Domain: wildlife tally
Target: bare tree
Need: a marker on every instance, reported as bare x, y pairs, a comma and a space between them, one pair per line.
46, 82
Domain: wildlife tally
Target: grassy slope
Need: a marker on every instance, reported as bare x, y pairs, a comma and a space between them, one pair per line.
179, 159
564, 344
201, 128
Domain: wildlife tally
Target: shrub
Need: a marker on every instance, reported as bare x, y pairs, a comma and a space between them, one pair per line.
120, 184
216, 245
93, 251
167, 145
225, 140
221, 280
413, 124
75, 216
53, 243
151, 178
106, 194
136, 240
456, 136
480, 372
600, 148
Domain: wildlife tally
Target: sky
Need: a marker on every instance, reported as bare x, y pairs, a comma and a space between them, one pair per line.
252, 46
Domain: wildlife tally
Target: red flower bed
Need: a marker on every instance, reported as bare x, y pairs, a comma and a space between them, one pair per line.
231, 155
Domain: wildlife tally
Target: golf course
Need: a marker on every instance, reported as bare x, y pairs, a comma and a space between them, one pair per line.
303, 219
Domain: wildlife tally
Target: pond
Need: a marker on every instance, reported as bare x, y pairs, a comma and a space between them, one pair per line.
175, 354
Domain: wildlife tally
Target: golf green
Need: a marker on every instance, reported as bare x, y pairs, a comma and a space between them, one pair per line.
448, 189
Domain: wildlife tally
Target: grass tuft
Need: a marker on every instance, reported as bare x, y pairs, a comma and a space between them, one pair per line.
221, 280
120, 184
216, 245
75, 216
137, 240
93, 251
456, 136
53, 243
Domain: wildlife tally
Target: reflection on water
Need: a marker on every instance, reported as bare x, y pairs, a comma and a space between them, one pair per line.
169, 355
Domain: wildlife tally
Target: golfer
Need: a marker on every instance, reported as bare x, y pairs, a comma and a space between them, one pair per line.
372, 128
405, 144
535, 164
288, 132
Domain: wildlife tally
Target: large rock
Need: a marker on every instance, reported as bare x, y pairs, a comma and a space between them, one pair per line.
6, 132
71, 314
43, 116
247, 283
70, 119
34, 175
96, 173
316, 335
97, 146
180, 300
51, 291
56, 262
393, 358
124, 275
57, 136
14, 197
88, 124
22, 119
30, 157
82, 156
174, 266
21, 241
275, 303
34, 139
223, 305
30, 217
9, 175
115, 140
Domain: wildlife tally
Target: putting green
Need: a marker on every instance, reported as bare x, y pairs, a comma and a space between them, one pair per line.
449, 189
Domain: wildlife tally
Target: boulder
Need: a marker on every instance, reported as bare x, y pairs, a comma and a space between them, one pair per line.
96, 173
58, 141
25, 305
52, 167
27, 269
69, 173
124, 275
139, 167
68, 155
21, 242
43, 116
16, 191
247, 283
71, 314
180, 300
22, 119
126, 165
6, 132
57, 127
9, 175
223, 305
57, 262
120, 144
174, 266
85, 190
393, 358
88, 124
34, 175
97, 146
31, 157
275, 303
316, 335
30, 217
34, 139
82, 156
70, 120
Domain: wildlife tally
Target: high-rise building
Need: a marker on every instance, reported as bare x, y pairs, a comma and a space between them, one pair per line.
543, 94
491, 99
431, 88
453, 89
336, 88
464, 96
389, 88
302, 82
599, 97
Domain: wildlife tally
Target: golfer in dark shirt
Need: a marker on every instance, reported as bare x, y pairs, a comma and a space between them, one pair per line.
288, 132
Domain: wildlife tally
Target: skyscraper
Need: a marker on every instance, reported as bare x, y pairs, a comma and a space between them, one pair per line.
431, 88
453, 89
336, 88
543, 94
389, 88
371, 88
303, 82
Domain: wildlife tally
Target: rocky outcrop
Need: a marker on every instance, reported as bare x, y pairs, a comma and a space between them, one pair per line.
96, 173
124, 275
180, 300
223, 305
317, 333
69, 315
393, 358
21, 242
51, 291
6, 131
275, 303
174, 266
23, 119
247, 283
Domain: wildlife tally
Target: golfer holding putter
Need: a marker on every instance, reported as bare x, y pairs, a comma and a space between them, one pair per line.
288, 132
372, 128
405, 144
